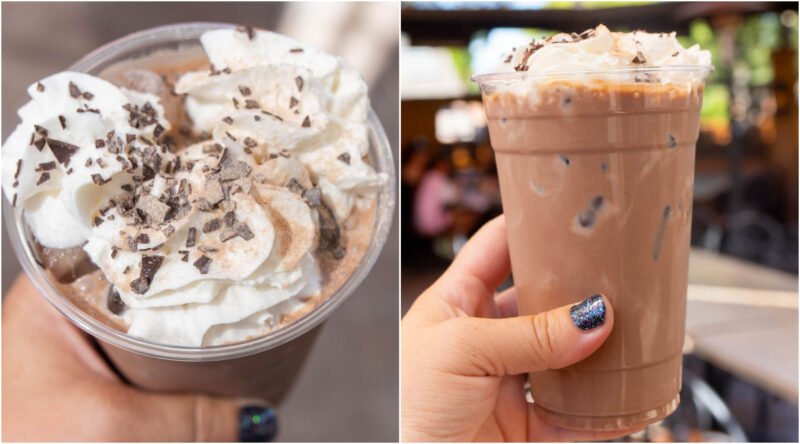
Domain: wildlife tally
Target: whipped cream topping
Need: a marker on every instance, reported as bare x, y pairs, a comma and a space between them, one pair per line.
600, 48
267, 94
217, 241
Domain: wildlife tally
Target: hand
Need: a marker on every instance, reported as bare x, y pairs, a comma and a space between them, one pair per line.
465, 352
57, 387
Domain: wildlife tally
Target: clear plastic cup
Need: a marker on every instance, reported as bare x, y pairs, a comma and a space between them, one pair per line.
263, 367
596, 171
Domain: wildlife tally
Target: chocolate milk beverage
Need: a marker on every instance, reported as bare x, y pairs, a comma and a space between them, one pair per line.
595, 152
230, 350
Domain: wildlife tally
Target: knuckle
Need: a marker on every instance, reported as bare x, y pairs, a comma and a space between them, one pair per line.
544, 338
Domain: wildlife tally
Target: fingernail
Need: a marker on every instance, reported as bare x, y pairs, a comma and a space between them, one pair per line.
590, 313
257, 424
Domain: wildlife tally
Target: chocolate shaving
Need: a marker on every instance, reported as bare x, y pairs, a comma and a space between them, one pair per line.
114, 251
675, 54
39, 144
99, 143
98, 220
140, 285
639, 59
251, 104
158, 131
247, 29
40, 130
114, 302
98, 179
202, 264
88, 162
88, 96
150, 265
235, 103
228, 120
45, 166
40, 87
294, 186
69, 171
191, 238
230, 136
185, 257
244, 231
306, 122
296, 50
212, 191
19, 167
14, 201
43, 178
205, 249
63, 121
299, 82
74, 91
211, 226
143, 238
245, 91
250, 143
344, 157
155, 210
293, 102
62, 150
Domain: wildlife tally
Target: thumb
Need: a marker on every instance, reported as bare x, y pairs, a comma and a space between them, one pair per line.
510, 346
174, 417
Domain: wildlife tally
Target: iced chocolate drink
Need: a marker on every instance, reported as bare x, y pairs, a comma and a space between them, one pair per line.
594, 136
200, 198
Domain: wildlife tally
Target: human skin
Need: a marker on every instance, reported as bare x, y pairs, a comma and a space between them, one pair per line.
57, 387
465, 352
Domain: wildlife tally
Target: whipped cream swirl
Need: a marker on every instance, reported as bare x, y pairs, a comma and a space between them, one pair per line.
600, 48
217, 241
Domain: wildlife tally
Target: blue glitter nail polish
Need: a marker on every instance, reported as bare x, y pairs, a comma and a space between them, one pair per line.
257, 424
590, 313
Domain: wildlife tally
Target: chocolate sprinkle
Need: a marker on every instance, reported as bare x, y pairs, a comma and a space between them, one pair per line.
191, 238
114, 302
211, 225
296, 50
45, 166
40, 87
74, 92
306, 122
99, 143
98, 220
228, 120
247, 29
150, 265
62, 150
43, 178
251, 104
344, 157
250, 143
98, 179
140, 285
143, 238
299, 81
63, 121
19, 167
202, 264
245, 91
88, 96
293, 102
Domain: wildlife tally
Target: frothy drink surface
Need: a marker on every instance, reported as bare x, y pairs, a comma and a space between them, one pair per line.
596, 174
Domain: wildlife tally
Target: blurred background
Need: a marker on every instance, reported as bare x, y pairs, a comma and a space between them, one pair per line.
742, 355
348, 388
